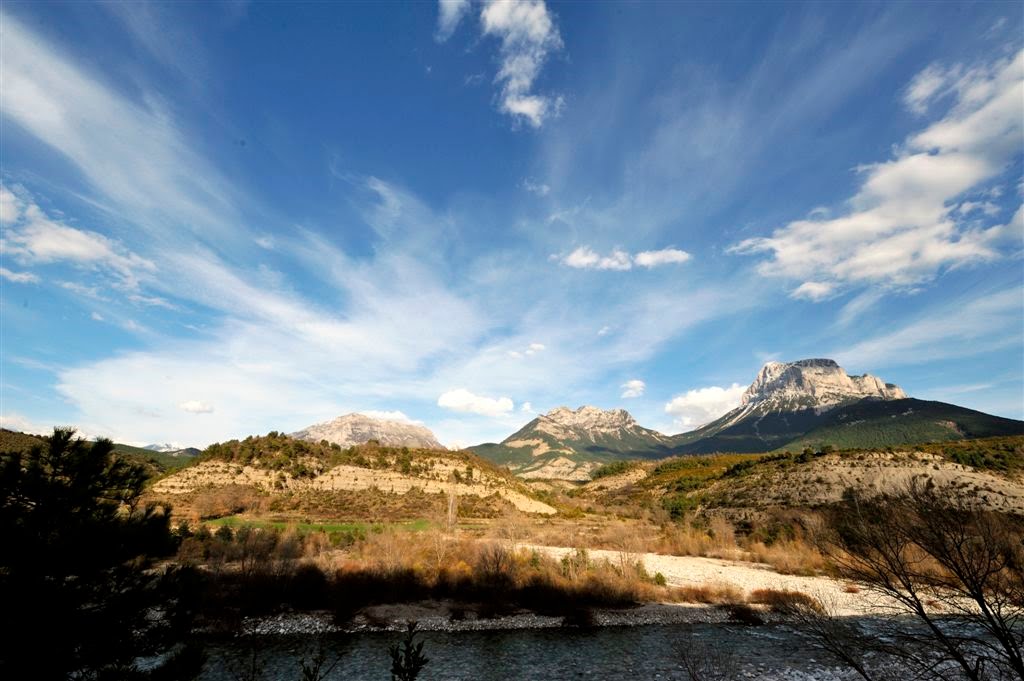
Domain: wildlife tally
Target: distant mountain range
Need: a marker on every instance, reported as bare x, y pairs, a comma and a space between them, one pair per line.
811, 402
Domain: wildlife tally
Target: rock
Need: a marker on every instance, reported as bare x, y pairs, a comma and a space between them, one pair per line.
357, 429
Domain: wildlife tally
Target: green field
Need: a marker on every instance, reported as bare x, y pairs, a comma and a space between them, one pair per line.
328, 527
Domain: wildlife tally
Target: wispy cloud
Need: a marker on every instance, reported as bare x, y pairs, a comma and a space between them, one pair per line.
960, 328
903, 228
450, 13
31, 237
18, 277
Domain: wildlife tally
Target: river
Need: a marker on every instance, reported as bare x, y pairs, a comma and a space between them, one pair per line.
769, 652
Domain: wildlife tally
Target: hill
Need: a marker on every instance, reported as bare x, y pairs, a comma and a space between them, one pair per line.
283, 475
739, 484
156, 463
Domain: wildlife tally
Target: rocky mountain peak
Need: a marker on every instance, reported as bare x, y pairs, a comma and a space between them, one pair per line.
813, 383
357, 429
590, 418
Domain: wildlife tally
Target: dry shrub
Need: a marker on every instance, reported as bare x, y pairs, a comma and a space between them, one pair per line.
784, 600
714, 593
793, 557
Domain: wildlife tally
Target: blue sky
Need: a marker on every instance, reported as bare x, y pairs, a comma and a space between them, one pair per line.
225, 219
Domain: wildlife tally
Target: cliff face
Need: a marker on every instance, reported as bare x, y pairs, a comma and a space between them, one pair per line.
812, 383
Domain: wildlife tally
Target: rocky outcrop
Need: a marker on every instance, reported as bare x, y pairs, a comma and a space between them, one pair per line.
813, 383
356, 429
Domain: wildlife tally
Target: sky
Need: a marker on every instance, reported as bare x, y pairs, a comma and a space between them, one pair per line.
222, 219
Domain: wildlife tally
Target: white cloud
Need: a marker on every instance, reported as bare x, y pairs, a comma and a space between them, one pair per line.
904, 226
526, 408
528, 35
10, 209
633, 388
96, 317
666, 256
535, 348
604, 330
814, 290
962, 328
18, 277
34, 238
538, 188
450, 13
129, 149
390, 415
462, 400
927, 86
196, 407
703, 405
585, 258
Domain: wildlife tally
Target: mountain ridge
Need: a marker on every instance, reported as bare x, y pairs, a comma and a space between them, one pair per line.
808, 402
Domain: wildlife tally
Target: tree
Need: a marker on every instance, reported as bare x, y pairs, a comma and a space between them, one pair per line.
407, 658
939, 556
75, 570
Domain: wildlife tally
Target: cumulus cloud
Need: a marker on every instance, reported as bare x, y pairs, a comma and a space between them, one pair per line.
703, 405
526, 408
18, 277
462, 400
196, 407
392, 415
633, 388
904, 226
450, 13
585, 258
528, 35
667, 256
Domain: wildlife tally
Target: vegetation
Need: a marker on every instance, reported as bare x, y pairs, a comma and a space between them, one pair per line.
613, 468
76, 567
407, 658
955, 569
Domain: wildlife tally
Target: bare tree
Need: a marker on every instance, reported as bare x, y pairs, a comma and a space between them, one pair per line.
937, 555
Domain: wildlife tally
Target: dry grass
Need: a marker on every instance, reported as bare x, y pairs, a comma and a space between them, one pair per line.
783, 600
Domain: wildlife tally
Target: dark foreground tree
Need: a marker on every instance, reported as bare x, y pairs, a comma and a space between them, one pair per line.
407, 658
79, 594
953, 573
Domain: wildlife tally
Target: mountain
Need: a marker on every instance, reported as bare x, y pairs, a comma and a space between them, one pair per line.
813, 402
789, 405
356, 429
567, 444
172, 450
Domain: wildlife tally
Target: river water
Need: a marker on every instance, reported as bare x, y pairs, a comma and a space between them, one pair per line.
769, 652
